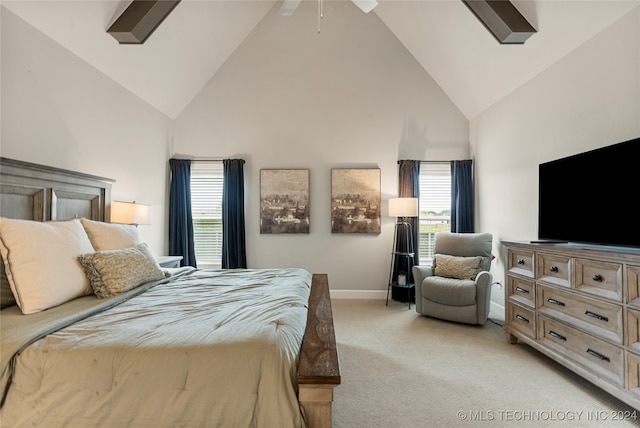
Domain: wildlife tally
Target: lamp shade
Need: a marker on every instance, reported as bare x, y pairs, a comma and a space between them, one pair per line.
130, 213
403, 207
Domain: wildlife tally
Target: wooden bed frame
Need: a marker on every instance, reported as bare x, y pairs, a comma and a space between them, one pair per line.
35, 192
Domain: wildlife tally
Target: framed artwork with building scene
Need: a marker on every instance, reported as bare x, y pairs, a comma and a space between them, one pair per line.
284, 201
355, 200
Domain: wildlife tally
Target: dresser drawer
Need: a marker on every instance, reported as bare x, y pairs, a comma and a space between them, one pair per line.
554, 269
633, 373
521, 291
599, 318
521, 262
595, 355
633, 330
521, 319
633, 286
601, 279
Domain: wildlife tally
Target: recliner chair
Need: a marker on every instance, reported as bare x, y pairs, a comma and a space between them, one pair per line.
457, 287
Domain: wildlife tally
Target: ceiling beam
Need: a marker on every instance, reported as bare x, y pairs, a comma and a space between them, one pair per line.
502, 19
140, 19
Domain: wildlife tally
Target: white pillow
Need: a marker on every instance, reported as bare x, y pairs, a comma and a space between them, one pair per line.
41, 262
108, 236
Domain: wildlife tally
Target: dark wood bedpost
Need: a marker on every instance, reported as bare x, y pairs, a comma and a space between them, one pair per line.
319, 369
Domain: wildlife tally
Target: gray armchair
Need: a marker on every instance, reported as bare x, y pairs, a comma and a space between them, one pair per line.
463, 292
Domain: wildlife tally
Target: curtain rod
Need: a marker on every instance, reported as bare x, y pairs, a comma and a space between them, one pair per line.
429, 161
197, 159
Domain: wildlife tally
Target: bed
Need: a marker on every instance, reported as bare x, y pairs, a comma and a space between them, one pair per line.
131, 344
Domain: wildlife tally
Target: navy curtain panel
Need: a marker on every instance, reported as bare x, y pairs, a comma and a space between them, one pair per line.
408, 187
180, 221
234, 252
462, 196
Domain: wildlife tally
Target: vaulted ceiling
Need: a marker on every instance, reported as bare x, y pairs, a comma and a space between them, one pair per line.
180, 57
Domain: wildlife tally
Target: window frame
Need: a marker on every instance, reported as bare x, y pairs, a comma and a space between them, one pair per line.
206, 183
435, 177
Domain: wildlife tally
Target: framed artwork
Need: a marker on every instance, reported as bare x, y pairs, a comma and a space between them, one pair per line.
284, 201
355, 200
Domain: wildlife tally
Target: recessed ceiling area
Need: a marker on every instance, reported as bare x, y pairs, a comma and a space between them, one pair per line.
198, 36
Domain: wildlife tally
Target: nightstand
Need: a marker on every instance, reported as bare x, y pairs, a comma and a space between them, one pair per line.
169, 261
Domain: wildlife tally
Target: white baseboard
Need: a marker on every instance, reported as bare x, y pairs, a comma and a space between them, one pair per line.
496, 311
358, 294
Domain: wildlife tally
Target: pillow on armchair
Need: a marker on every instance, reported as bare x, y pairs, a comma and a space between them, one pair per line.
458, 267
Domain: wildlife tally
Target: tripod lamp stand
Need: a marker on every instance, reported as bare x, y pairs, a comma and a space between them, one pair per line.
402, 253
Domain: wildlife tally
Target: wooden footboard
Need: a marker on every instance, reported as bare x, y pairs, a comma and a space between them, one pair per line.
319, 369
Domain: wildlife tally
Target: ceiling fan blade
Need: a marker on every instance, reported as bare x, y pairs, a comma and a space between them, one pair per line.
365, 5
288, 7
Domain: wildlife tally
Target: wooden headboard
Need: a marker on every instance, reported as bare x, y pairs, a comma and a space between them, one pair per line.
35, 192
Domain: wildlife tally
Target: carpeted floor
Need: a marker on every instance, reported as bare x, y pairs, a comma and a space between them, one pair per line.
403, 370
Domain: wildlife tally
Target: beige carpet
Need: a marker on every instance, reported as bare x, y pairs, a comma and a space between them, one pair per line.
403, 370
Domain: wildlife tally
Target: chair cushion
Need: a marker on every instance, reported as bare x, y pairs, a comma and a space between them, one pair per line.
463, 244
449, 291
458, 267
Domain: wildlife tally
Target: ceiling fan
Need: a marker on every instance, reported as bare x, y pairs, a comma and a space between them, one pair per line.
290, 6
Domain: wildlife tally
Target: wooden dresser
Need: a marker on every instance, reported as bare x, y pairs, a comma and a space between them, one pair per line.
579, 305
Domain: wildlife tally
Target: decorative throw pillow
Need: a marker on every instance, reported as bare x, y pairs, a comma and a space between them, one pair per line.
6, 296
112, 272
41, 262
108, 236
458, 267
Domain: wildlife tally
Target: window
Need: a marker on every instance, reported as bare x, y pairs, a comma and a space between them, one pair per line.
206, 208
435, 205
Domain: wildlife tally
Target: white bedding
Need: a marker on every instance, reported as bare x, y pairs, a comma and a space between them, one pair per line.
205, 349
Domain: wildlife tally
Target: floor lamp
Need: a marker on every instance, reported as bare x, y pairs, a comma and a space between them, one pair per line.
402, 253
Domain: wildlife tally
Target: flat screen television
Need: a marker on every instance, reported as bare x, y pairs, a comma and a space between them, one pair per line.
592, 197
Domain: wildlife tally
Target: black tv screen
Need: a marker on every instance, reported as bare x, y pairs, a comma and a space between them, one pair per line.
592, 197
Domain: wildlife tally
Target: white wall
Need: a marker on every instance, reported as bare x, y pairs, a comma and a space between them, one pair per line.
351, 96
589, 99
59, 111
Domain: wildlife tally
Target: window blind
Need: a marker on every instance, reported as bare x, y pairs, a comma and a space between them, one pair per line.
206, 207
435, 205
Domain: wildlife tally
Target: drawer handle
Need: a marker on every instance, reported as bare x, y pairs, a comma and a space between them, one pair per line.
596, 316
597, 277
556, 335
522, 290
521, 318
598, 355
554, 269
520, 261
555, 302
